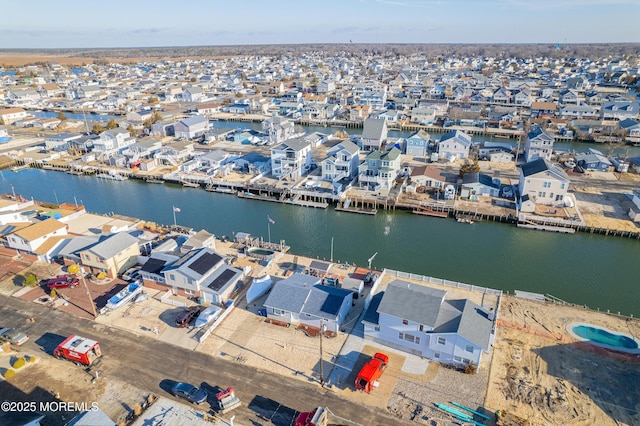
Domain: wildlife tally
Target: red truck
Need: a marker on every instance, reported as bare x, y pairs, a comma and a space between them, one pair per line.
78, 349
368, 376
317, 417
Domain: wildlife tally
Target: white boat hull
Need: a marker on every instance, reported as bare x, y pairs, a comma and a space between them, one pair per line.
258, 288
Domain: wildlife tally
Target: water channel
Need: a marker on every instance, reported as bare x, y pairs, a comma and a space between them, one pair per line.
598, 271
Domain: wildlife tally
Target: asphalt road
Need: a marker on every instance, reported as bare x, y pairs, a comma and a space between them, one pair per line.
153, 366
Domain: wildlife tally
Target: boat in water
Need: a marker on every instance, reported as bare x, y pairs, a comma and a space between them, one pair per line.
124, 295
111, 176
259, 287
210, 314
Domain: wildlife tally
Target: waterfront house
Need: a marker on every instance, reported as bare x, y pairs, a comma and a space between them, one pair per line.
379, 169
200, 273
417, 144
174, 153
30, 238
341, 162
11, 115
424, 115
593, 160
475, 184
291, 159
374, 134
142, 149
111, 142
163, 128
578, 112
424, 178
89, 91
278, 129
60, 141
568, 97
542, 182
191, 127
538, 145
112, 254
359, 112
420, 320
453, 145
302, 300
630, 127
199, 240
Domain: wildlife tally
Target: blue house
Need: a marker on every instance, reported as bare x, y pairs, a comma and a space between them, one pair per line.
417, 143
593, 160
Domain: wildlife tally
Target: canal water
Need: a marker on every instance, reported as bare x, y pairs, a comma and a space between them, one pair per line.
598, 271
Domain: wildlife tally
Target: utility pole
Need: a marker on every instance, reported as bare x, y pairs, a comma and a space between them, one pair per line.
321, 368
86, 287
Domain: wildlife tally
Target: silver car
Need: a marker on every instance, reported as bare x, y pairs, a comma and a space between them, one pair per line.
13, 336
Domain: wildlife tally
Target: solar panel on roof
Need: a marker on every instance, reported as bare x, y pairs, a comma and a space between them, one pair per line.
205, 262
7, 229
332, 304
221, 280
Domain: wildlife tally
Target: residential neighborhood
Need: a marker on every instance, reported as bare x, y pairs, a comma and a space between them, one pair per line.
546, 143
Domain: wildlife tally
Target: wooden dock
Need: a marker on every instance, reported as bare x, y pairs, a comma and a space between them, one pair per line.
430, 212
359, 210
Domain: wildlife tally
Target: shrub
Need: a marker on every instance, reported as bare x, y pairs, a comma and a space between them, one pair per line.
18, 363
30, 280
8, 374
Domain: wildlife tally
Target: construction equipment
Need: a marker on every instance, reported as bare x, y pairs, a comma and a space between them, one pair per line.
79, 350
368, 376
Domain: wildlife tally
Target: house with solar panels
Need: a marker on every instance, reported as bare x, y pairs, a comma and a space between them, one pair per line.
302, 300
199, 273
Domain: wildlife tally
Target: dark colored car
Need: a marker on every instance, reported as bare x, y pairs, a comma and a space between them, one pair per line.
189, 392
185, 317
63, 281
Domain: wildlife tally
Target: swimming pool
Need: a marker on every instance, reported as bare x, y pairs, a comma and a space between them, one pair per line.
604, 338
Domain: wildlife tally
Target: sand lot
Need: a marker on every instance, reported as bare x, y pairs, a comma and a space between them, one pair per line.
541, 373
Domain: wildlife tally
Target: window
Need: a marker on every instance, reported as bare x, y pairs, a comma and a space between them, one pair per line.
101, 260
405, 322
400, 335
278, 312
189, 292
466, 361
85, 256
562, 186
421, 327
457, 359
546, 184
436, 354
551, 195
172, 277
376, 328
442, 341
542, 194
468, 348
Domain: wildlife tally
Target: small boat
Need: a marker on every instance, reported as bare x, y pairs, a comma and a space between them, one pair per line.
259, 287
190, 184
111, 176
210, 314
152, 180
124, 295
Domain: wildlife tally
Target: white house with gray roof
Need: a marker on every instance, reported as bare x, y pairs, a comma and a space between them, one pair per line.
539, 145
454, 145
420, 320
301, 299
191, 127
379, 169
291, 159
341, 162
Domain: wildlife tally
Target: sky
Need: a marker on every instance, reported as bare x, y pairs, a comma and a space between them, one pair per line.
41, 24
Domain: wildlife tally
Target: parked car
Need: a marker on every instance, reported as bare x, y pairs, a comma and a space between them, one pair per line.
189, 392
131, 274
185, 317
63, 281
13, 336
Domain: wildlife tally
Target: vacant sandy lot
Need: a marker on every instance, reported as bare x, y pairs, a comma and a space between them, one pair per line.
541, 373
605, 209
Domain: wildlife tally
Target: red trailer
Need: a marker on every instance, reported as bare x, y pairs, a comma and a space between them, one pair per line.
78, 349
317, 417
368, 376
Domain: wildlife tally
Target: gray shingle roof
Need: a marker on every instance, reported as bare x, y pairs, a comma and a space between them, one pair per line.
372, 128
458, 136
413, 302
325, 302
113, 244
540, 165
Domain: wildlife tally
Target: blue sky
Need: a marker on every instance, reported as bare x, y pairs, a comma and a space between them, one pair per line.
142, 23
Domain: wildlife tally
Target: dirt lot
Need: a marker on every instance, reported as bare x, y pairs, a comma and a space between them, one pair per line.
541, 373
605, 209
